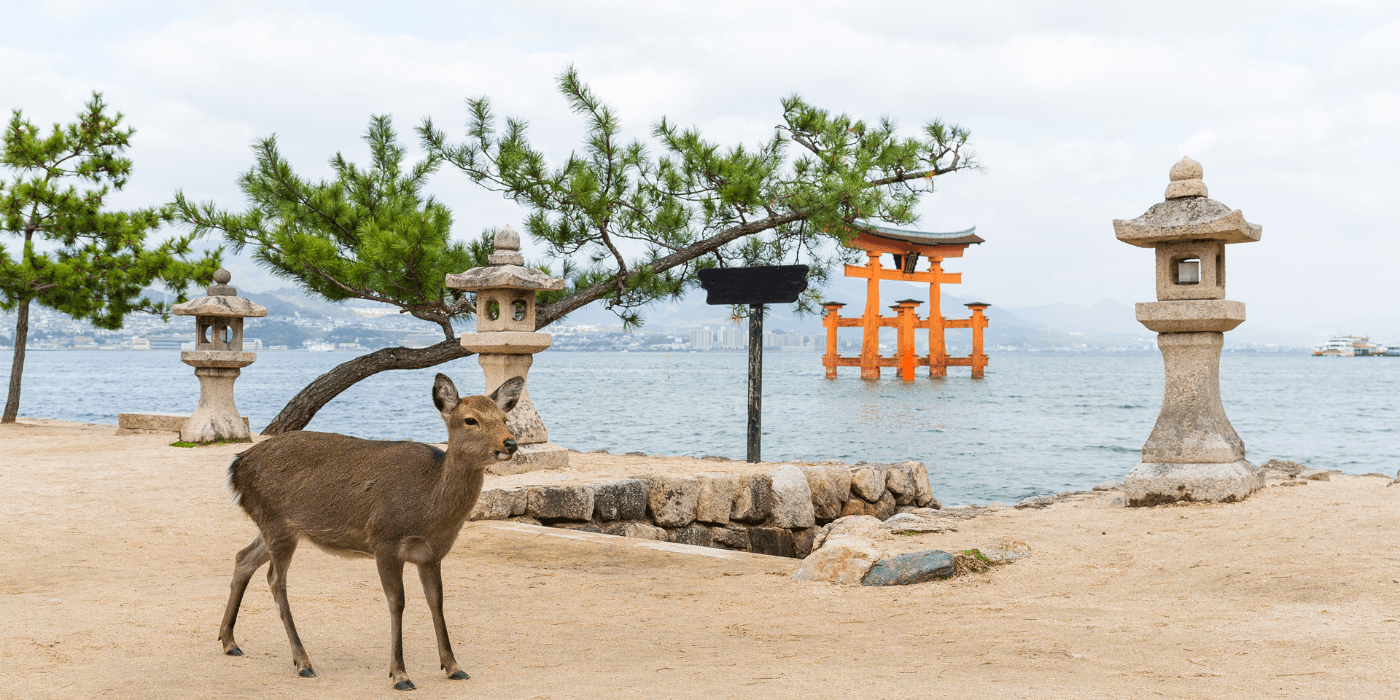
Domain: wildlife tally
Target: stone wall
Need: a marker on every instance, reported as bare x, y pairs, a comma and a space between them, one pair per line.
777, 513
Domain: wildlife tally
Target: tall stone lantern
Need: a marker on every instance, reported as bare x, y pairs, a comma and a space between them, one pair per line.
505, 342
1193, 453
217, 358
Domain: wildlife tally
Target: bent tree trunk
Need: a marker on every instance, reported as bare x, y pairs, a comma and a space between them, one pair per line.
17, 366
303, 407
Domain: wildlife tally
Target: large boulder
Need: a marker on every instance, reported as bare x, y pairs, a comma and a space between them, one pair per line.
826, 497
754, 500
899, 480
914, 567
773, 541
624, 499
672, 500
840, 476
844, 560
856, 506
697, 535
553, 503
868, 482
864, 527
802, 541
492, 504
923, 493
716, 501
638, 529
730, 537
887, 506
910, 522
792, 499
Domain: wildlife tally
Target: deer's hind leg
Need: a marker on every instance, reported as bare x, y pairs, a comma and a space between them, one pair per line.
245, 565
281, 550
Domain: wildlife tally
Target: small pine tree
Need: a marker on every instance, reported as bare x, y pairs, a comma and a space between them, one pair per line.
76, 257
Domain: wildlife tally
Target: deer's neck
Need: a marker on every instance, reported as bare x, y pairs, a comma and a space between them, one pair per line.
458, 485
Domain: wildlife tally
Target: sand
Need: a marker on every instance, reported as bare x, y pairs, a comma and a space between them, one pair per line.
115, 555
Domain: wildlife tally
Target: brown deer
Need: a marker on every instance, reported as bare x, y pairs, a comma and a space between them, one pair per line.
394, 501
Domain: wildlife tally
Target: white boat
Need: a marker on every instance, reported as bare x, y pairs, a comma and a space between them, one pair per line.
1350, 346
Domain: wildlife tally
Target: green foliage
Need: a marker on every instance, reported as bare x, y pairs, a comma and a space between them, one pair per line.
699, 204
75, 256
370, 233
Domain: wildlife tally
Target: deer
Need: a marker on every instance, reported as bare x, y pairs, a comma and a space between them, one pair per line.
395, 501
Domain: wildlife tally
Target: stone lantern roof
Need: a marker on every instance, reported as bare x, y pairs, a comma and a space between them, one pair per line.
506, 270
222, 300
1187, 215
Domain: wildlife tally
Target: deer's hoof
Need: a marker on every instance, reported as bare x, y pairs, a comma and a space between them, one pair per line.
234, 651
459, 675
307, 673
405, 685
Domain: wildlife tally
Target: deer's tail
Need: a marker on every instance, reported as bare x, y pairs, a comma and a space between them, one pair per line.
234, 487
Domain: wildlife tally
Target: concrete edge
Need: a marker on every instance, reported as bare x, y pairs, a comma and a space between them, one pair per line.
672, 547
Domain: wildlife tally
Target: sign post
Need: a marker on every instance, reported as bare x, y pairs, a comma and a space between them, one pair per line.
754, 287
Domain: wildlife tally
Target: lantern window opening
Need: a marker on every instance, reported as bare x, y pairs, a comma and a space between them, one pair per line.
518, 309
1188, 271
493, 310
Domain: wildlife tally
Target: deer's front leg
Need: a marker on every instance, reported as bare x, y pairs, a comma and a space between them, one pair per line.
390, 566
431, 576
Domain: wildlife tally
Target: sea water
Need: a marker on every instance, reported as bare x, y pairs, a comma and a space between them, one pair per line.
1037, 423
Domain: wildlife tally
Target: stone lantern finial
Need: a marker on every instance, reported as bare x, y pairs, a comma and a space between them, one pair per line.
1186, 180
507, 248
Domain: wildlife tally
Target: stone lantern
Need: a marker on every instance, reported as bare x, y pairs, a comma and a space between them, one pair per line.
1193, 453
216, 358
505, 342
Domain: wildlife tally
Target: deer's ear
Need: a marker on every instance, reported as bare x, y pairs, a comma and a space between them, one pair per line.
444, 394
507, 394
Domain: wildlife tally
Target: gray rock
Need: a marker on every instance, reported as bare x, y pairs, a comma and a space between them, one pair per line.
492, 504
899, 480
1315, 475
579, 527
844, 560
865, 527
672, 500
1109, 486
716, 500
840, 476
624, 499
909, 522
731, 537
802, 541
755, 499
886, 508
519, 501
697, 535
868, 482
923, 493
1036, 502
792, 499
906, 569
826, 498
559, 502
638, 529
635, 454
773, 541
1284, 467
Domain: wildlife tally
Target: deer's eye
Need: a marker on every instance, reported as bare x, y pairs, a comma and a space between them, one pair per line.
470, 421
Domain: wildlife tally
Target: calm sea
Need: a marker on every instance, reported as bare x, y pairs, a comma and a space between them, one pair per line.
1038, 423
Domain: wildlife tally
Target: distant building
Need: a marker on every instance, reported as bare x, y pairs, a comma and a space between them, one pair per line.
701, 339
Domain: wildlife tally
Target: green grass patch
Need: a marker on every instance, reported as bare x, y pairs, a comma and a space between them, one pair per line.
220, 441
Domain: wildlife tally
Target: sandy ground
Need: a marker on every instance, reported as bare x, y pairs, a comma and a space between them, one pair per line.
115, 555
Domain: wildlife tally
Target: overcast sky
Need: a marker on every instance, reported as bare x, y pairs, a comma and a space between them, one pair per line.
1077, 109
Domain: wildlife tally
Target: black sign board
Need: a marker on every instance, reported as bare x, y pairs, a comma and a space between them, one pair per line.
755, 286
764, 284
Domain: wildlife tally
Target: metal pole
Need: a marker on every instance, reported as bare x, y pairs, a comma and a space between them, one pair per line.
755, 380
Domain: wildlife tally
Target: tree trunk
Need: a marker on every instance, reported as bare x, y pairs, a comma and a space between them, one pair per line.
17, 367
303, 407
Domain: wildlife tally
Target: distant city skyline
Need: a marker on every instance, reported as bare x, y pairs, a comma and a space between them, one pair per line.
1077, 111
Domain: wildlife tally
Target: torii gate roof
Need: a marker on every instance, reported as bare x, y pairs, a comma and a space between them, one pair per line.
930, 238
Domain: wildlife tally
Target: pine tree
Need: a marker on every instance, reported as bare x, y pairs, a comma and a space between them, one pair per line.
76, 257
372, 235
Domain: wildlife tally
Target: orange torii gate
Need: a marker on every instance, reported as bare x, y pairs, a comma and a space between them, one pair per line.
906, 247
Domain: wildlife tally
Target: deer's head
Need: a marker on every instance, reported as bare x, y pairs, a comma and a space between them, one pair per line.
476, 425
